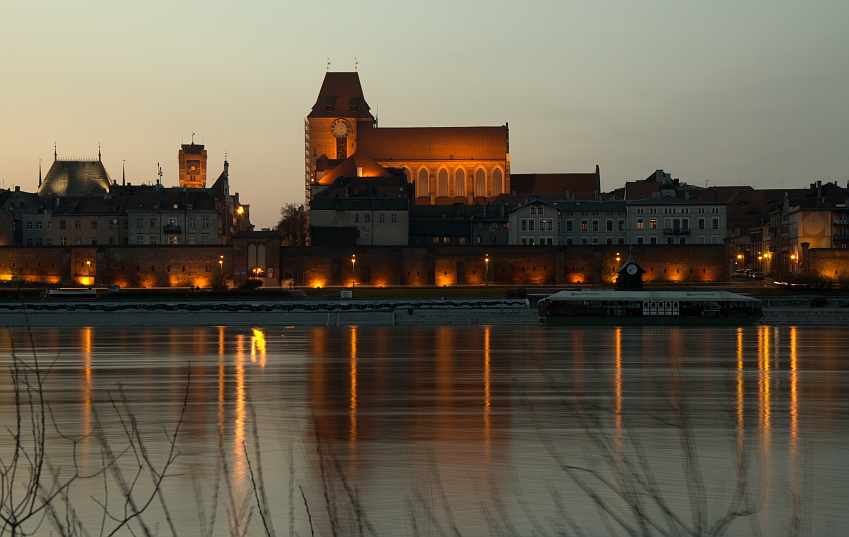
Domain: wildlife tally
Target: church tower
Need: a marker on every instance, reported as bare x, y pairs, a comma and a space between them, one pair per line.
192, 158
332, 127
447, 165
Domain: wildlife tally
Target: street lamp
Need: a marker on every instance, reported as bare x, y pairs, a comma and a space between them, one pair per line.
353, 270
486, 272
88, 264
221, 266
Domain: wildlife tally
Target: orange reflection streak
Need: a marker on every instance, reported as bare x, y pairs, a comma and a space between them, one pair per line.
88, 373
241, 411
258, 347
764, 394
794, 394
741, 394
797, 468
352, 427
618, 386
487, 396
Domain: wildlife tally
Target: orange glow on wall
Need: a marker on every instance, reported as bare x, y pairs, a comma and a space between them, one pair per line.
85, 280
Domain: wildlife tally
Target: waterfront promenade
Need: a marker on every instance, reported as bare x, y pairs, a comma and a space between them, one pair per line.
507, 311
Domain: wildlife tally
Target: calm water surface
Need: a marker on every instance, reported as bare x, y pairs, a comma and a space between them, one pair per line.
489, 430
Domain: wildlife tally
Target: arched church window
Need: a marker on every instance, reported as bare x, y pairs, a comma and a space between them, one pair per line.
460, 183
480, 183
442, 183
422, 186
497, 181
408, 173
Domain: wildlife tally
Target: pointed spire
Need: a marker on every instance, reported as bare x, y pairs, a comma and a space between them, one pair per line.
123, 173
98, 152
55, 157
39, 173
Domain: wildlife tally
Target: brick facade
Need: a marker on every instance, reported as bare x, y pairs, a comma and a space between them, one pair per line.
178, 266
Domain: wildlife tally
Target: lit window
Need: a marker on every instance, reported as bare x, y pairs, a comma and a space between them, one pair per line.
422, 186
460, 183
480, 183
442, 183
497, 187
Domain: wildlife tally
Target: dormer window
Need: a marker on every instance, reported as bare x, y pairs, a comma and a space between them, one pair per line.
329, 103
354, 104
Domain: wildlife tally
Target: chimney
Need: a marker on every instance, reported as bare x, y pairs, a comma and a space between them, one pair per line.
359, 171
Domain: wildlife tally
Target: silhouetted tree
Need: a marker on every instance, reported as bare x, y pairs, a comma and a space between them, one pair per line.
293, 224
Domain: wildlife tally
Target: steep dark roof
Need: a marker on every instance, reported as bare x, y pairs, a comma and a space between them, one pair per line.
75, 178
341, 95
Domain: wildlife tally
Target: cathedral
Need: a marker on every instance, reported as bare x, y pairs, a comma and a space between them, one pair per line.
446, 165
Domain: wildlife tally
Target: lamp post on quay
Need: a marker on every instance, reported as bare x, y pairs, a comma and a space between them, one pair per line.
353, 270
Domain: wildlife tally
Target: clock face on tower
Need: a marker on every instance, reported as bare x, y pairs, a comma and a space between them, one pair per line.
193, 167
340, 128
632, 269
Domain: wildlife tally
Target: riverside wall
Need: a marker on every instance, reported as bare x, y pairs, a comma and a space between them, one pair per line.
260, 253
327, 313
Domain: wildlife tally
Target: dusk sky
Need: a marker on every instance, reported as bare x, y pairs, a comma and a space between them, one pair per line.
720, 92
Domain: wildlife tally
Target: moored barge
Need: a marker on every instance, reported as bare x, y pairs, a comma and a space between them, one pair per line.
649, 308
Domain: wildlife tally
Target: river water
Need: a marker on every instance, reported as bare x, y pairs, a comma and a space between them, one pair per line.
437, 430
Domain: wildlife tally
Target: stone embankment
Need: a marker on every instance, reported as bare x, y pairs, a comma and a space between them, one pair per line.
329, 313
270, 313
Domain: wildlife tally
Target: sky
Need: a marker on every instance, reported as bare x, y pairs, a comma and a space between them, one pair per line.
715, 93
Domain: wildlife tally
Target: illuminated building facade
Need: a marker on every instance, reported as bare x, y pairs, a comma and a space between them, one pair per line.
192, 161
447, 165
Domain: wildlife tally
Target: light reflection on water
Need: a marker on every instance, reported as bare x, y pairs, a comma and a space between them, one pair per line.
420, 420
